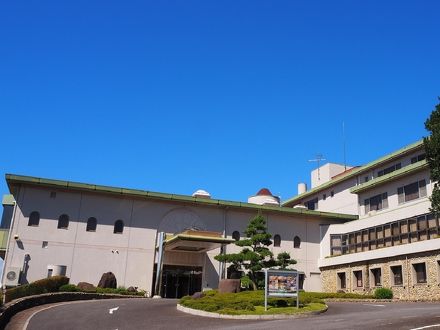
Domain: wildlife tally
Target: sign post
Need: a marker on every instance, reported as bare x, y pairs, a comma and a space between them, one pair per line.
281, 283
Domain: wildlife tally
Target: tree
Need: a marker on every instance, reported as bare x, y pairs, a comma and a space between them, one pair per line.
284, 260
432, 149
255, 254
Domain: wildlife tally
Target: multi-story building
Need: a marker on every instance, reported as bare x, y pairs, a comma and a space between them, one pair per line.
356, 229
393, 242
83, 230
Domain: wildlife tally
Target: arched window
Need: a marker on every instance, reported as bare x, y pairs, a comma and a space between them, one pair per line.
34, 219
91, 224
236, 235
119, 227
63, 221
277, 240
296, 242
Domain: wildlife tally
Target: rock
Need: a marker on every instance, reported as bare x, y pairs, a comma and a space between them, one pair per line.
198, 295
86, 287
108, 280
132, 289
229, 286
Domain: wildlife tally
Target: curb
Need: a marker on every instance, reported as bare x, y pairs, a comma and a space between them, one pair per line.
248, 317
8, 310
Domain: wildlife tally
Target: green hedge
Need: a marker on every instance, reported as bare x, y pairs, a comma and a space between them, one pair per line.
383, 293
68, 288
46, 285
212, 301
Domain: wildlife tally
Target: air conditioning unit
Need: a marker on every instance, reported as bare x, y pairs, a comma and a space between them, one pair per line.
12, 276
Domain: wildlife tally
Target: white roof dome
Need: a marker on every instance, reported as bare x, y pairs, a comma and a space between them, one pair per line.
201, 194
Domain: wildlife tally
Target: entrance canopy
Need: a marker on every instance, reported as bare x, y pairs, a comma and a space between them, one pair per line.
195, 241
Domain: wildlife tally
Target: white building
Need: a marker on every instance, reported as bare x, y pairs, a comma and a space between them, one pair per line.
357, 229
83, 230
393, 243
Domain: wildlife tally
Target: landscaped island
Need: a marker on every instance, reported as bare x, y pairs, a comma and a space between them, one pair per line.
252, 302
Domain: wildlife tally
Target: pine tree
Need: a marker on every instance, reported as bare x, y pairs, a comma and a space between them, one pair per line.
432, 148
284, 260
255, 254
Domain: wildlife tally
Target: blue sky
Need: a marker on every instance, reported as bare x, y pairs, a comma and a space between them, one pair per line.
228, 96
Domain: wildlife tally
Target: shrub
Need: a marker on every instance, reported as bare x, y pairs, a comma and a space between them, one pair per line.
383, 293
46, 285
68, 288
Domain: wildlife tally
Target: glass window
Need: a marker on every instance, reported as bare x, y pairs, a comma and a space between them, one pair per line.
420, 272
396, 272
342, 281
91, 224
296, 242
63, 221
119, 227
34, 219
277, 240
412, 191
358, 278
377, 276
312, 204
376, 203
236, 235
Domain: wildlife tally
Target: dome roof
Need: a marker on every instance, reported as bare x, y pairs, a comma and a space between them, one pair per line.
264, 192
201, 193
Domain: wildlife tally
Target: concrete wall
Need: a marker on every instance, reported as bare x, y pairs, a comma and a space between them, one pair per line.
131, 255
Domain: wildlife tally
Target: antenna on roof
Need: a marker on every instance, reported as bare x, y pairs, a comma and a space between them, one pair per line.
318, 159
343, 141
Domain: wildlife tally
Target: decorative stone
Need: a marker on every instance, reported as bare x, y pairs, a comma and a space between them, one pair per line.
132, 289
229, 286
108, 280
198, 295
86, 287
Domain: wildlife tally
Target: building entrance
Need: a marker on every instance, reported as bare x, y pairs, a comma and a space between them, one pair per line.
179, 281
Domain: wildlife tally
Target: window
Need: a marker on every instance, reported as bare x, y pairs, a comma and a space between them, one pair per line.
236, 235
390, 169
63, 221
332, 193
119, 227
418, 158
312, 204
53, 194
301, 281
91, 224
342, 281
357, 274
376, 277
412, 191
376, 203
277, 240
324, 197
419, 272
34, 219
396, 275
296, 242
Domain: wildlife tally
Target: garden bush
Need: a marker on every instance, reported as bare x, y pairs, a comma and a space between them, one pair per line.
46, 285
68, 288
383, 293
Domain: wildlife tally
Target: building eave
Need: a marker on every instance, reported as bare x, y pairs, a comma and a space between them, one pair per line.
404, 171
14, 179
380, 161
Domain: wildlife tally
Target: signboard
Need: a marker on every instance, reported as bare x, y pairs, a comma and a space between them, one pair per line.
281, 283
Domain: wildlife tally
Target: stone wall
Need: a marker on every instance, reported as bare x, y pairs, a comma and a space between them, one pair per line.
409, 290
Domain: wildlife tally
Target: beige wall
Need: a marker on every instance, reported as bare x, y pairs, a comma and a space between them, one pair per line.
130, 255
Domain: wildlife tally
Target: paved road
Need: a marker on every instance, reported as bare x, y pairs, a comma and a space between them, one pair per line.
162, 314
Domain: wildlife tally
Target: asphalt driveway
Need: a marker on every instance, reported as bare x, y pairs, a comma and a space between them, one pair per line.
125, 314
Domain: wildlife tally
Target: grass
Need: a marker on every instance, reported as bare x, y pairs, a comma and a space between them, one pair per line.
251, 303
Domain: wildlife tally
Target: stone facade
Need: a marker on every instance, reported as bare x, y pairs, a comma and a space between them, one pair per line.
412, 288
